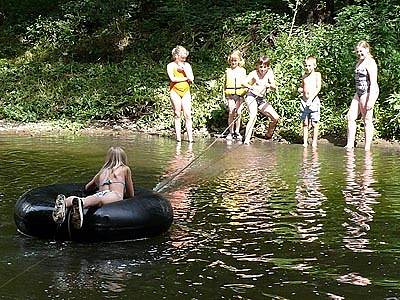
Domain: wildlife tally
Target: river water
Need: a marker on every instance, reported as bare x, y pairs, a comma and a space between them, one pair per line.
265, 221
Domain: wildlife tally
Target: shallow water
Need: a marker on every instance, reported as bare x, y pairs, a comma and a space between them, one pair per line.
264, 221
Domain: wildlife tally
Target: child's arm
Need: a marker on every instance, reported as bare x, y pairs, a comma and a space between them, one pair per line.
243, 76
129, 183
249, 81
301, 88
224, 89
271, 80
188, 72
92, 184
374, 88
172, 78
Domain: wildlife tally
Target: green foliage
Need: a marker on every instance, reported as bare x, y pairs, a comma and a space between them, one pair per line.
390, 120
97, 59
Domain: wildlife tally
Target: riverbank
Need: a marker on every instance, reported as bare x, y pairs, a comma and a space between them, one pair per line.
68, 128
125, 128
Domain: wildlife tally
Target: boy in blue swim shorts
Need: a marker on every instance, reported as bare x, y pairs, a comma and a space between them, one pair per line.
310, 105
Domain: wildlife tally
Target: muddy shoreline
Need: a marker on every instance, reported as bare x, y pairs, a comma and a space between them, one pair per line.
106, 128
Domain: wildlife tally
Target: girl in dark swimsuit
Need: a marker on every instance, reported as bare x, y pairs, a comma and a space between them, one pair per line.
367, 91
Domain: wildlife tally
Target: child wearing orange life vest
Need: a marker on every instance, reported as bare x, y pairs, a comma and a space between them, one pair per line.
180, 75
234, 92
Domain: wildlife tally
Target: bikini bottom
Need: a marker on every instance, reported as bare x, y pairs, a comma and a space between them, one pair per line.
104, 193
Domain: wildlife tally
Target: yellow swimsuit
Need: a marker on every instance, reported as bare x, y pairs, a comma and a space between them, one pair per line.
182, 87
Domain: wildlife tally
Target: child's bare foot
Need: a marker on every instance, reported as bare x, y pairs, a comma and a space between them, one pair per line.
305, 145
268, 136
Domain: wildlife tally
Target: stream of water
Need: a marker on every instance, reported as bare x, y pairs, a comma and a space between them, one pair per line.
265, 221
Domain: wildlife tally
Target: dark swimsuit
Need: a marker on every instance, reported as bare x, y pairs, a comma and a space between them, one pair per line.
362, 80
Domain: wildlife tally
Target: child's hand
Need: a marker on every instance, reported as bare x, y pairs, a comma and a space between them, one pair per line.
300, 90
306, 102
180, 68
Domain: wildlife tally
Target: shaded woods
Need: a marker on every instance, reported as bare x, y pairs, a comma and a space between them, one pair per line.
85, 60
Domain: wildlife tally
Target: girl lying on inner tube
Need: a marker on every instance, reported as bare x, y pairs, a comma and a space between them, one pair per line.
113, 179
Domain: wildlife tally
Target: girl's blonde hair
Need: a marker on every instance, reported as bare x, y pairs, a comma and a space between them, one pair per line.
179, 50
312, 59
238, 55
263, 60
116, 157
363, 44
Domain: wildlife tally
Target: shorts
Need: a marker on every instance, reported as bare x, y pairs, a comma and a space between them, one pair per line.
260, 100
235, 98
311, 112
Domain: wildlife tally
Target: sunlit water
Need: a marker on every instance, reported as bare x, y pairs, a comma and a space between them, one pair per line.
264, 221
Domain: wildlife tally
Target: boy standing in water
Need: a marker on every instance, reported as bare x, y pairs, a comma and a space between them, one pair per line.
259, 82
310, 104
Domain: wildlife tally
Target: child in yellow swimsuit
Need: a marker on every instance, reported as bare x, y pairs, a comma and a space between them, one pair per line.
181, 75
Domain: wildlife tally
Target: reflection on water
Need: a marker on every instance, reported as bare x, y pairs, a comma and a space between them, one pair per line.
264, 221
178, 181
360, 197
309, 198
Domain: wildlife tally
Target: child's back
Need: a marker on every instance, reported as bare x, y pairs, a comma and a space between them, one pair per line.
113, 180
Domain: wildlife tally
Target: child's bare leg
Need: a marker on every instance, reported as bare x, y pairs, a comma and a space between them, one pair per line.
369, 129
315, 135
351, 122
94, 200
187, 113
305, 132
68, 201
251, 102
271, 128
177, 105
239, 106
231, 115
269, 111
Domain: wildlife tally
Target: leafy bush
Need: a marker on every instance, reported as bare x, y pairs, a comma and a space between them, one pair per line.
97, 59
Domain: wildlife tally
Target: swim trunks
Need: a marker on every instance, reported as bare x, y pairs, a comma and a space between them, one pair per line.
252, 97
311, 112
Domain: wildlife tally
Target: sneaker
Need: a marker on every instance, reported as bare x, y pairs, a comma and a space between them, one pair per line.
238, 136
229, 137
77, 213
59, 209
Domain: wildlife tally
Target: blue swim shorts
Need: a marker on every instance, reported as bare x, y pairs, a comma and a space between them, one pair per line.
311, 112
